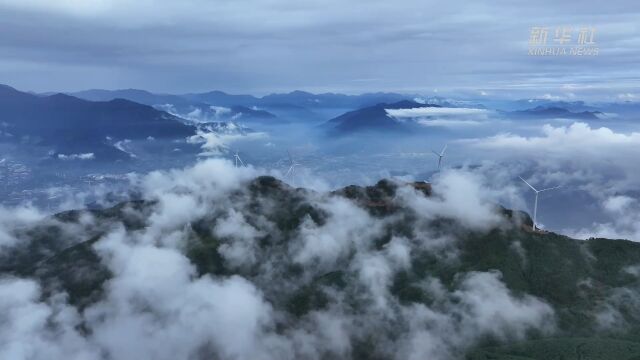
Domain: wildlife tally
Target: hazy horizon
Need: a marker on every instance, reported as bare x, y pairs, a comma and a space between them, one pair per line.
262, 47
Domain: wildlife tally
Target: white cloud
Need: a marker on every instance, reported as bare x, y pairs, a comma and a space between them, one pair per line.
577, 152
435, 111
441, 116
239, 239
628, 97
214, 144
598, 162
459, 195
564, 141
157, 305
83, 156
347, 228
26, 329
618, 204
464, 315
12, 218
155, 293
450, 123
624, 213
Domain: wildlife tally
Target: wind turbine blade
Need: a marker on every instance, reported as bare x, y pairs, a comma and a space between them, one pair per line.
241, 162
436, 153
525, 181
552, 188
288, 171
444, 149
290, 157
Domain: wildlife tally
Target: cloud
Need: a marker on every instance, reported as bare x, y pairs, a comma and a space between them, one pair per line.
239, 239
459, 195
123, 145
348, 227
450, 123
575, 152
84, 156
165, 50
598, 162
624, 212
428, 111
158, 303
564, 140
200, 114
214, 143
27, 330
462, 315
12, 219
155, 292
441, 116
628, 97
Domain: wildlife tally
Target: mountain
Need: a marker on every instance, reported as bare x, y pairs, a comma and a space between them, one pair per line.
73, 126
245, 112
331, 100
574, 106
372, 118
210, 113
295, 106
220, 98
297, 98
210, 107
135, 95
626, 108
553, 112
467, 292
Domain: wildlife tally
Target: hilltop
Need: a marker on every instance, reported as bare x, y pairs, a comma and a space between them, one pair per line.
369, 255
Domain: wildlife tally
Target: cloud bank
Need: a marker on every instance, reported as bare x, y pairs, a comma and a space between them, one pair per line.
159, 303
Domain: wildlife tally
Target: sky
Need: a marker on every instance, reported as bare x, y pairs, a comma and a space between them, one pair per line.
477, 48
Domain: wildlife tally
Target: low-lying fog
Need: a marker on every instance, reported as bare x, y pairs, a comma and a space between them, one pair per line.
594, 161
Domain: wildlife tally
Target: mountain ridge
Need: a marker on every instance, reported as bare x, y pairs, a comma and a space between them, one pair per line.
372, 118
549, 266
75, 126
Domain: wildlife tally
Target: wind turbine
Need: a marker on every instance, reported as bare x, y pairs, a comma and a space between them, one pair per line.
292, 166
535, 206
236, 156
440, 155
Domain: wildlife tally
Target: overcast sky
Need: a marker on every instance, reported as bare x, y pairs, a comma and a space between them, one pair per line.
262, 46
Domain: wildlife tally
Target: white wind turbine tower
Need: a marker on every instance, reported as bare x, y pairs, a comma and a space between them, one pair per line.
236, 156
292, 166
535, 206
440, 155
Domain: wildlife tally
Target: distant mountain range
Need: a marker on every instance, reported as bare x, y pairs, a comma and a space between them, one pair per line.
372, 118
553, 112
220, 106
302, 106
574, 106
304, 99
131, 113
73, 126
205, 108
219, 98
298, 98
139, 96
